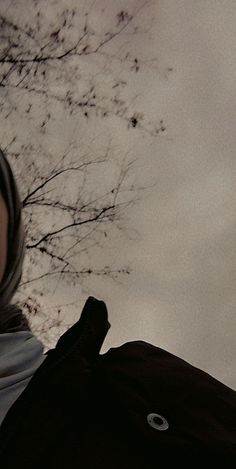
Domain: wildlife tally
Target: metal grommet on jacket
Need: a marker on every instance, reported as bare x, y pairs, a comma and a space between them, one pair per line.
157, 421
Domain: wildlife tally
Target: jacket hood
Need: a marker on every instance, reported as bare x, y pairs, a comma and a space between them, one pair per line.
12, 318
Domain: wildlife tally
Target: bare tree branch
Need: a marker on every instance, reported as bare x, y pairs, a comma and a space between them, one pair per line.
51, 76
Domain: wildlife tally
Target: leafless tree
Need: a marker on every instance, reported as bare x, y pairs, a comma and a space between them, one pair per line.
62, 226
56, 65
47, 52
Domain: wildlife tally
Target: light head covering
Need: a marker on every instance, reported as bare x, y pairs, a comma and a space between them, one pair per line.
12, 318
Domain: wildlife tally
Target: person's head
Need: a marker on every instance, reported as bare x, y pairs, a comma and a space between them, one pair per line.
12, 249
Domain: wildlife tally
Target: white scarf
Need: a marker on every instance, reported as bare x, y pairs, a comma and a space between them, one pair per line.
21, 353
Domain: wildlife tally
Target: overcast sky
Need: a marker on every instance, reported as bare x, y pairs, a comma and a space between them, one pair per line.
181, 295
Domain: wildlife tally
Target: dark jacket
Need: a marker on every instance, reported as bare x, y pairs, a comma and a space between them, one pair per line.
136, 406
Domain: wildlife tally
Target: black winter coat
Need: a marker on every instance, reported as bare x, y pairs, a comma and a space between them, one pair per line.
134, 407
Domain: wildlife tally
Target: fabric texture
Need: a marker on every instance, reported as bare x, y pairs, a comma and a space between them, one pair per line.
11, 317
21, 353
135, 407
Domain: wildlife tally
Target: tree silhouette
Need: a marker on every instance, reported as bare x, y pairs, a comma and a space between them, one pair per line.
62, 226
46, 56
68, 68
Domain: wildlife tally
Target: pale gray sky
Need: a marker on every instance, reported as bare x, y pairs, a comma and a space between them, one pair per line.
181, 295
